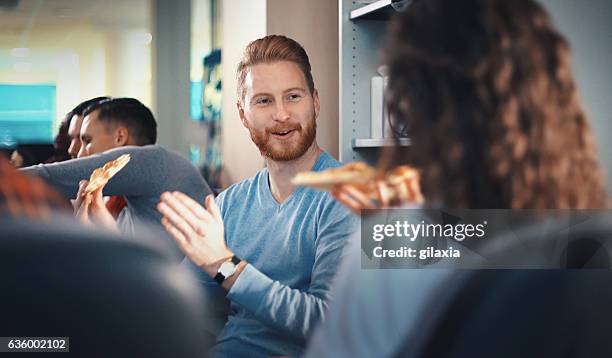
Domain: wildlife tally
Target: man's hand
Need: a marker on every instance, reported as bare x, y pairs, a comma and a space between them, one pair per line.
81, 210
90, 208
198, 231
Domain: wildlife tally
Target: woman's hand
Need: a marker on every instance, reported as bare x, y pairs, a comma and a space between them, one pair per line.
395, 190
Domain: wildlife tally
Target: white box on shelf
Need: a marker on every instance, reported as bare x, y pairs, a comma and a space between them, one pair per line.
387, 130
377, 107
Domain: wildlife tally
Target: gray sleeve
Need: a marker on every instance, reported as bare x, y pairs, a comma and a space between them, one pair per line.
373, 310
150, 171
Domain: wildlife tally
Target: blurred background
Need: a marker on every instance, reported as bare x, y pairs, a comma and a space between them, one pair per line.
179, 57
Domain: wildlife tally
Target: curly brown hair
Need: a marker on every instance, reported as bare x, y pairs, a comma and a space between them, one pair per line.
486, 90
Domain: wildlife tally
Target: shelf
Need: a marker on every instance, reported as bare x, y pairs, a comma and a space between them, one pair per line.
377, 143
378, 10
363, 31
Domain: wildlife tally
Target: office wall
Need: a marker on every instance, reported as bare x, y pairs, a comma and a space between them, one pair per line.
243, 22
128, 60
587, 26
313, 23
170, 75
69, 67
83, 61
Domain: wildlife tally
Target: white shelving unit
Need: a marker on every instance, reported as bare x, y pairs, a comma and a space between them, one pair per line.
378, 10
362, 36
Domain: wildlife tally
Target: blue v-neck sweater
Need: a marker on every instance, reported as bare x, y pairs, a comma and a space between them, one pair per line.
293, 250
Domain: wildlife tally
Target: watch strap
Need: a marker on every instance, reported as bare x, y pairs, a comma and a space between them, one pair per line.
219, 277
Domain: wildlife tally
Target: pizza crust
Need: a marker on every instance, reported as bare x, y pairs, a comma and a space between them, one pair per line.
389, 187
100, 176
352, 173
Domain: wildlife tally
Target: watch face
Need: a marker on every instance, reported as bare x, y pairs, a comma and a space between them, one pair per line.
227, 268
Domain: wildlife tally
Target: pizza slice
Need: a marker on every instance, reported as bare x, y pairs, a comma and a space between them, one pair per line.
357, 173
390, 187
100, 176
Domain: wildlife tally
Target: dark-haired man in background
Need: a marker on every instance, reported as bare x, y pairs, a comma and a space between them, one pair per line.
107, 124
74, 119
116, 122
113, 127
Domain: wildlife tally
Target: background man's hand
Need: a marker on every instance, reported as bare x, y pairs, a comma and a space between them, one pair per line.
198, 231
77, 203
90, 208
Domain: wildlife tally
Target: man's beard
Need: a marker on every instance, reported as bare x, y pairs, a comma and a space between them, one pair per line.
290, 150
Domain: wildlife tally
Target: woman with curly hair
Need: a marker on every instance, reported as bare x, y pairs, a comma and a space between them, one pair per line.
486, 92
492, 108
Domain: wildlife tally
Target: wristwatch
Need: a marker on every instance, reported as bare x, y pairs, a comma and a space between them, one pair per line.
227, 269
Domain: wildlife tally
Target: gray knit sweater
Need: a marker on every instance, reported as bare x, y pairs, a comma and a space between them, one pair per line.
151, 171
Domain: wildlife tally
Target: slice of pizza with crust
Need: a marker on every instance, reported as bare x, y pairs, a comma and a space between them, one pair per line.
386, 187
100, 176
353, 173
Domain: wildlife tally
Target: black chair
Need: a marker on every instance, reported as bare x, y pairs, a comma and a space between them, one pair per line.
111, 296
526, 313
